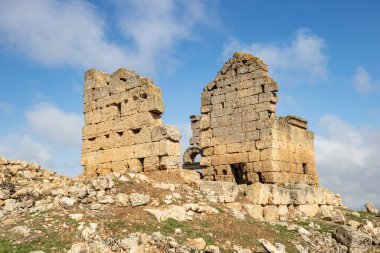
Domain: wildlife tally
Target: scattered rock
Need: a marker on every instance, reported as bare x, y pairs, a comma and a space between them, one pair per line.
173, 212
122, 199
67, 202
356, 241
198, 243
76, 216
219, 191
269, 247
21, 230
138, 199
371, 208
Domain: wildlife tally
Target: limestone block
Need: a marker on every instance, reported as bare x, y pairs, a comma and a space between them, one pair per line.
205, 161
283, 212
169, 162
280, 196
205, 122
271, 213
166, 133
119, 166
254, 211
307, 210
143, 136
128, 78
95, 79
104, 168
135, 164
169, 148
146, 149
259, 194
224, 191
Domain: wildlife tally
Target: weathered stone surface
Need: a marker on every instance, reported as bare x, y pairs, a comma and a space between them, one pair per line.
173, 212
220, 191
198, 243
371, 208
269, 247
356, 241
240, 136
123, 127
138, 199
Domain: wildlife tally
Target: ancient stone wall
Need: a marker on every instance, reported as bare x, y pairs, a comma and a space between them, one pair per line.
123, 126
241, 137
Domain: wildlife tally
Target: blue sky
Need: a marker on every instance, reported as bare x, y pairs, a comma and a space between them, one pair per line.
324, 55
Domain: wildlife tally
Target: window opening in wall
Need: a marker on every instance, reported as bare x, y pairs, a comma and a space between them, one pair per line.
260, 177
136, 130
107, 136
239, 173
222, 104
119, 108
143, 95
120, 133
224, 172
91, 139
155, 114
235, 72
141, 160
262, 88
304, 168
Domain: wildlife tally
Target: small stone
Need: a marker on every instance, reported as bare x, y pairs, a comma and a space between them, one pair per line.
67, 202
76, 216
355, 214
21, 230
122, 199
212, 249
107, 199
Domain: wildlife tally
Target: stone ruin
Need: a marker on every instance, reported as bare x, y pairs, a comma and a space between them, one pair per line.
239, 136
123, 126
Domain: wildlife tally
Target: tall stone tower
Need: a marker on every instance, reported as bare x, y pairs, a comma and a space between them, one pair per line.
123, 126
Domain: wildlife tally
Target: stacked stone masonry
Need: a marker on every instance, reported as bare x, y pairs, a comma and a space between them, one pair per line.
123, 126
239, 134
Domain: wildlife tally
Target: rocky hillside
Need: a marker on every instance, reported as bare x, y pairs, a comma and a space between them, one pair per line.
173, 211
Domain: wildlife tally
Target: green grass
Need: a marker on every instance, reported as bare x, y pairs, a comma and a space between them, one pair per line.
53, 241
115, 224
364, 215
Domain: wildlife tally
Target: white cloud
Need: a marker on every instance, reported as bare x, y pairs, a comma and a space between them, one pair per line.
23, 147
156, 26
300, 59
363, 81
59, 127
348, 161
73, 33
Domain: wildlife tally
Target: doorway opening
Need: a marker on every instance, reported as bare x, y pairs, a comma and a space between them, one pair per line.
240, 173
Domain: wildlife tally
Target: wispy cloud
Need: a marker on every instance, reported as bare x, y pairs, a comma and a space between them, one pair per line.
73, 33
6, 108
364, 82
347, 160
58, 127
51, 138
302, 58
24, 147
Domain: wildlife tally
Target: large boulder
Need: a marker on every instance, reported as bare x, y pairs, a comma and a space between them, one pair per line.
356, 241
371, 208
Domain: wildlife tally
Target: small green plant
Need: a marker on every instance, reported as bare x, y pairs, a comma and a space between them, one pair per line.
115, 224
